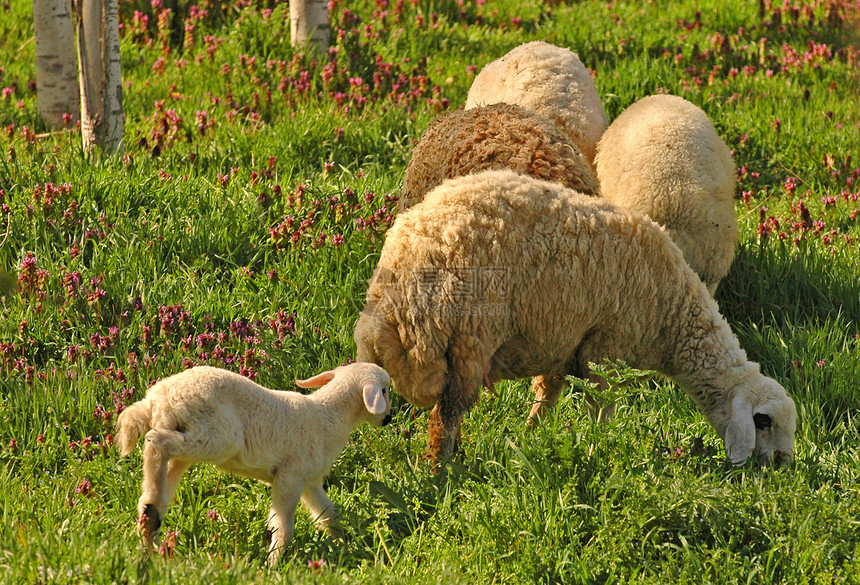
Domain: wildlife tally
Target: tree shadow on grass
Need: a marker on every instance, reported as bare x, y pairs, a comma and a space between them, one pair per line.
784, 287
797, 313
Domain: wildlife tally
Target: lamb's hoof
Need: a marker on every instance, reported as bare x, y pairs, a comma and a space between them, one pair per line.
149, 524
335, 530
275, 550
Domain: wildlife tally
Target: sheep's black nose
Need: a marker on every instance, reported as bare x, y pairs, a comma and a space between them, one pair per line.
781, 458
387, 419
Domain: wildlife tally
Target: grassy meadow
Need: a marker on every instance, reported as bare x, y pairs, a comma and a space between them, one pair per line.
246, 214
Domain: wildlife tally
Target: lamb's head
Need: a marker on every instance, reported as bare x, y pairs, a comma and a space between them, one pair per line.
371, 381
762, 423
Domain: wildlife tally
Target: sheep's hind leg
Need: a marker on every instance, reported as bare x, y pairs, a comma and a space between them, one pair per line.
166, 456
175, 469
546, 389
599, 408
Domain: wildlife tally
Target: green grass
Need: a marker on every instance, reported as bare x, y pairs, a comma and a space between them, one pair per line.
128, 268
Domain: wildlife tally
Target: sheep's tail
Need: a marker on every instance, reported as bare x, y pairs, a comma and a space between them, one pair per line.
133, 423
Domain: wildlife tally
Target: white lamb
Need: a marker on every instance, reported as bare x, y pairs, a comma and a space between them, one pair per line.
286, 439
500, 276
663, 157
550, 81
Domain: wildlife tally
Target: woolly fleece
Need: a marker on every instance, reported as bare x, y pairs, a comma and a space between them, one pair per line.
550, 81
663, 157
494, 137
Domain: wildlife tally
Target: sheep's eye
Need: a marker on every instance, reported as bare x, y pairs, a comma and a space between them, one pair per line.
762, 421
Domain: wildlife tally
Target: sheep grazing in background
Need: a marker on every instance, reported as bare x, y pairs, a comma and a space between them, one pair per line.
499, 276
286, 439
550, 81
494, 137
663, 158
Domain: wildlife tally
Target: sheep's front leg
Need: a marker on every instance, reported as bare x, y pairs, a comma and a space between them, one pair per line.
322, 510
282, 519
458, 397
598, 407
546, 389
596, 349
158, 447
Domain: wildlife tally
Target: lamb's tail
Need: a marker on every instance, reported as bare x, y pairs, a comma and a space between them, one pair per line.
133, 423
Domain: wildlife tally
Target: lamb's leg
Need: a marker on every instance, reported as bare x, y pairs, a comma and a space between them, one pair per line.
282, 519
322, 510
459, 395
175, 469
159, 446
166, 456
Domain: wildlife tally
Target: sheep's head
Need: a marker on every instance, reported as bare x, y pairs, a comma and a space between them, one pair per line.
378, 342
762, 423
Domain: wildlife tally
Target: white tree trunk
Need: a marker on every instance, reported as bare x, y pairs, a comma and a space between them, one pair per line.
309, 24
102, 121
56, 70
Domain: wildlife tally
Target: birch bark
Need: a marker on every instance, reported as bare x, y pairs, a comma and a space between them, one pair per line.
309, 24
57, 90
102, 121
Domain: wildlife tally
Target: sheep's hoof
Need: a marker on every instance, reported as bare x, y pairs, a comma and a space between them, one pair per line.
274, 554
435, 460
534, 417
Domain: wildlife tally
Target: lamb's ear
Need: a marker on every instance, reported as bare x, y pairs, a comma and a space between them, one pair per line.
374, 399
740, 434
316, 381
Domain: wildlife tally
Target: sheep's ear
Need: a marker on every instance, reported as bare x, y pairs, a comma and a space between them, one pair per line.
740, 434
316, 381
374, 399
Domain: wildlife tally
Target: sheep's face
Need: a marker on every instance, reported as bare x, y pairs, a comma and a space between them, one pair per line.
378, 342
762, 424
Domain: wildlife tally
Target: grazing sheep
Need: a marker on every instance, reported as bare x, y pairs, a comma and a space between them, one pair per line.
663, 157
500, 276
550, 81
494, 137
286, 439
